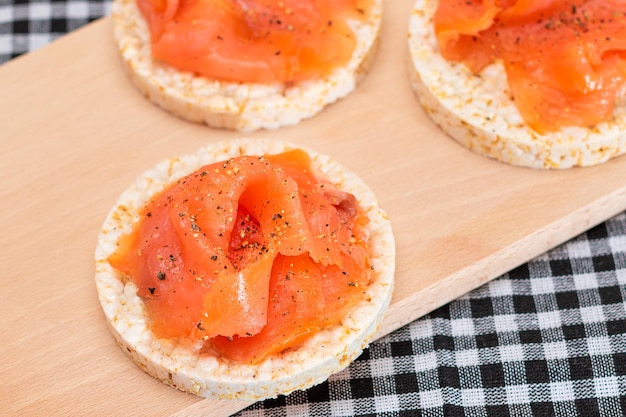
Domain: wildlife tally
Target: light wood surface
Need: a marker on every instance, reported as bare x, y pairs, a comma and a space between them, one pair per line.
74, 134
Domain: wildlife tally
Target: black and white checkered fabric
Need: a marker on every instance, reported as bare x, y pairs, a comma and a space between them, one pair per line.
26, 25
546, 339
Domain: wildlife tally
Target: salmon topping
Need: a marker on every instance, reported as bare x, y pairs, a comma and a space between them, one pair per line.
249, 256
565, 61
254, 40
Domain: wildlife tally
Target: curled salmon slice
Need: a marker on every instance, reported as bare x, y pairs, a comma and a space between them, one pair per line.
565, 61
212, 251
258, 41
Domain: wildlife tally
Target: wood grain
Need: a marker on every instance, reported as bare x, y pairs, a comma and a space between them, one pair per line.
75, 133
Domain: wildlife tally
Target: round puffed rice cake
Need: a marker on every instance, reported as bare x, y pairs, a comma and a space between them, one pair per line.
176, 363
243, 107
478, 112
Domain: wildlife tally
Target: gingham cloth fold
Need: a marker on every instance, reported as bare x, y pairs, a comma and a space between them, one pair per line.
546, 339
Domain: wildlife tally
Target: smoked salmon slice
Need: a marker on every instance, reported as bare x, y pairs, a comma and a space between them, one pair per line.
248, 256
565, 61
258, 41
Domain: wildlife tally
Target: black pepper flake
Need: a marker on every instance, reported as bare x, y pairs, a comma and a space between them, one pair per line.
149, 214
199, 326
172, 258
161, 275
214, 258
151, 289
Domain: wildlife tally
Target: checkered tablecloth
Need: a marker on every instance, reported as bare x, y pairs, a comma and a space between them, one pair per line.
27, 25
546, 339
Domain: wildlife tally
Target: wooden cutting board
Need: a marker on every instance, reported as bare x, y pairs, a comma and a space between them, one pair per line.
74, 134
